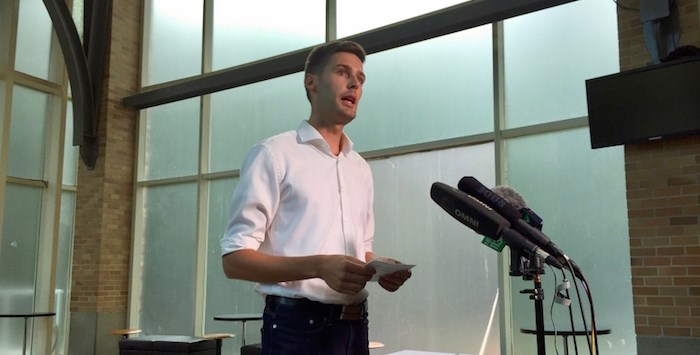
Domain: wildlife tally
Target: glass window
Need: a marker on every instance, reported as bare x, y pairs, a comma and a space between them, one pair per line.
241, 35
34, 30
436, 89
363, 15
172, 139
168, 287
226, 296
27, 133
174, 40
18, 261
243, 116
581, 195
78, 12
440, 307
550, 53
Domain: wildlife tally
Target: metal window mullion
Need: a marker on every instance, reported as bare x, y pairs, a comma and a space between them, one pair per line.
50, 219
133, 318
547, 127
499, 110
32, 82
331, 20
10, 12
202, 185
137, 249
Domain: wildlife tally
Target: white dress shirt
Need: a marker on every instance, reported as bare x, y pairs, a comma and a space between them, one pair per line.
296, 198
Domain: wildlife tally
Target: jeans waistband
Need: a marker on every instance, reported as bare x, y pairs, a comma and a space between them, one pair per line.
336, 311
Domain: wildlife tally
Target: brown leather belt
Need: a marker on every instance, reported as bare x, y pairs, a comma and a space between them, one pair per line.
333, 311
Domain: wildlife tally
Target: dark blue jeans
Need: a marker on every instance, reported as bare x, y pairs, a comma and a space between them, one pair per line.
289, 330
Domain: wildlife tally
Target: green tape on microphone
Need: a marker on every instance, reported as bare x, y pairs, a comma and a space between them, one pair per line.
495, 244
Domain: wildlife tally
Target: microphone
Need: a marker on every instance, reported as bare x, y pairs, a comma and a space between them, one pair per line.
484, 220
515, 199
500, 201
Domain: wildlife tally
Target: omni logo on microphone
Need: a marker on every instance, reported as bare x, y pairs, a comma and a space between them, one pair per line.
467, 218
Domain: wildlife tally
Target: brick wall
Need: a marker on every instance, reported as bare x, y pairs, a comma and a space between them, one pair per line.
104, 198
663, 196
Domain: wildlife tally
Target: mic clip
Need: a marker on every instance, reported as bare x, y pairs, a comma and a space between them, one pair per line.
561, 298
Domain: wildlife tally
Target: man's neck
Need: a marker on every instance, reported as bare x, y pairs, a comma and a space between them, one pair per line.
332, 134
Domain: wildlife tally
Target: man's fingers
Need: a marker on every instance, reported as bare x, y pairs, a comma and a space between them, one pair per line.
392, 282
347, 275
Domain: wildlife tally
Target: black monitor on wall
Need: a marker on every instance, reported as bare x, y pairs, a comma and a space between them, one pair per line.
649, 103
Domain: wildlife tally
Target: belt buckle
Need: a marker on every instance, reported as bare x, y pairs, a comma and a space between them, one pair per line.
352, 312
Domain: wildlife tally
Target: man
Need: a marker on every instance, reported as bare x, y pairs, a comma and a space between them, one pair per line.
301, 220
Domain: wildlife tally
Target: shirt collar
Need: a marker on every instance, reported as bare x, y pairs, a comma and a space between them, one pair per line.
308, 134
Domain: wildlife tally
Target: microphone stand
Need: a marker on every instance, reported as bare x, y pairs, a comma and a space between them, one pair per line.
532, 271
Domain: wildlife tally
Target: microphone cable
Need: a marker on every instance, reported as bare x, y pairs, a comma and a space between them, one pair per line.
556, 299
594, 330
565, 300
591, 336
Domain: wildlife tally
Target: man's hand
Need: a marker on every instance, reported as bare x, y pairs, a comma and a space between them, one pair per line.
392, 282
345, 274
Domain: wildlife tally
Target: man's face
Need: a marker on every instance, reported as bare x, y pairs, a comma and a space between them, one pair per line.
338, 88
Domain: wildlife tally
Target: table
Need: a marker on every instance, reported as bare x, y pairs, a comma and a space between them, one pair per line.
243, 317
26, 317
565, 333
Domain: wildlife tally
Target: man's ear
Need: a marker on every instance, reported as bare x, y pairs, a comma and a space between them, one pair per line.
310, 82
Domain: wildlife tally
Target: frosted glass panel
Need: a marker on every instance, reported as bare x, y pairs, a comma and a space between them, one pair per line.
170, 226
245, 31
18, 259
172, 139
27, 133
33, 39
226, 296
550, 53
363, 15
70, 152
447, 304
580, 193
432, 90
174, 40
243, 116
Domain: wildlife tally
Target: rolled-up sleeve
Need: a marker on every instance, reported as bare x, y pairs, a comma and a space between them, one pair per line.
253, 203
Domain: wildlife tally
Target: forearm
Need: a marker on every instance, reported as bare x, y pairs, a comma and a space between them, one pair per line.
252, 265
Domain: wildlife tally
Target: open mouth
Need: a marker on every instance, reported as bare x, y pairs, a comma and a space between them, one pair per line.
349, 99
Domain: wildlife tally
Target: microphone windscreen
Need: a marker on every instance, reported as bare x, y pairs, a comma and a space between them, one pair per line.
475, 188
510, 195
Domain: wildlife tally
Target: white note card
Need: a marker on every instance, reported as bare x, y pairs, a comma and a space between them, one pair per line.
385, 266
